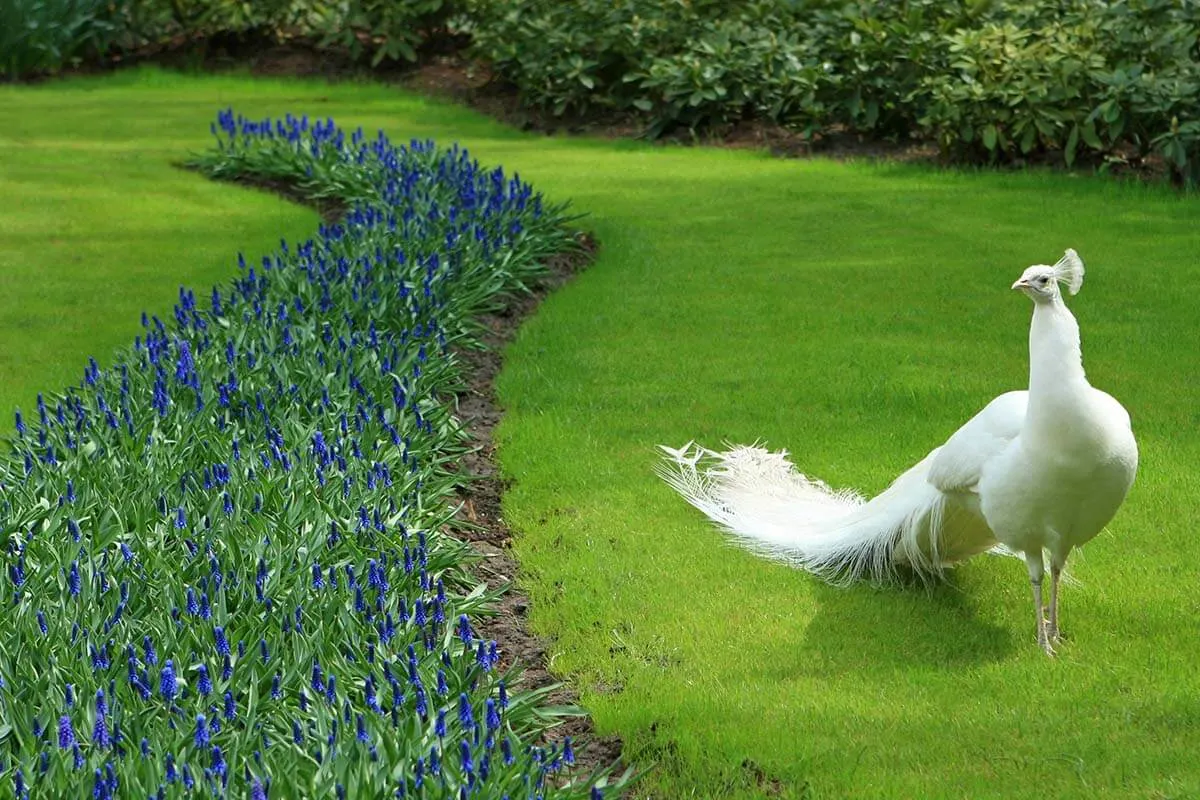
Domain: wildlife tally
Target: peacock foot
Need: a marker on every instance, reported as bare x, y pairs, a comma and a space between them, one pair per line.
1046, 639
1047, 645
1050, 626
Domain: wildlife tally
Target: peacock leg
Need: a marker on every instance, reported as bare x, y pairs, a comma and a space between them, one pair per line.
1037, 568
1052, 623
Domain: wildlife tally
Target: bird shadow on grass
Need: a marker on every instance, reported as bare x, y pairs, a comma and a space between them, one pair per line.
864, 628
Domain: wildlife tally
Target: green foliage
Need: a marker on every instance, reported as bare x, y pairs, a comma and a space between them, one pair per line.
237, 16
385, 30
1010, 91
876, 54
1104, 79
732, 70
43, 35
377, 30
680, 62
991, 81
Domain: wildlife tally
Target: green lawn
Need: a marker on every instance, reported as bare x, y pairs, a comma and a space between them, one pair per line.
852, 314
856, 316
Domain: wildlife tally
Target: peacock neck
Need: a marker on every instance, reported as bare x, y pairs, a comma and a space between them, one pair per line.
1056, 374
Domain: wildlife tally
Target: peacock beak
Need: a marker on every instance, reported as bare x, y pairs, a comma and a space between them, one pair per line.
1021, 284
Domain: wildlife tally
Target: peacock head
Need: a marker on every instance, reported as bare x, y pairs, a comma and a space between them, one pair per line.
1040, 282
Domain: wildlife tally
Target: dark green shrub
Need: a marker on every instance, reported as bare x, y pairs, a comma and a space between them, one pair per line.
988, 80
1010, 91
730, 71
697, 64
574, 57
153, 22
1146, 98
877, 54
597, 55
1116, 80
378, 30
384, 30
38, 36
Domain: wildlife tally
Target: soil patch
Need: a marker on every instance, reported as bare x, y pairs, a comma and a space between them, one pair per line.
479, 413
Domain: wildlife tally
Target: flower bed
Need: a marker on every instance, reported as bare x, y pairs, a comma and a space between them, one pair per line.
227, 552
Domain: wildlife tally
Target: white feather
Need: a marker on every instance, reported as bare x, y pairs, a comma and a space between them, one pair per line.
1069, 270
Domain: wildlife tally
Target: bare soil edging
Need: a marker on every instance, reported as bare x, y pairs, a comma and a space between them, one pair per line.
479, 413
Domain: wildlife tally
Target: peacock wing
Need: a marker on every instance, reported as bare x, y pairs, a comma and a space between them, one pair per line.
958, 464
